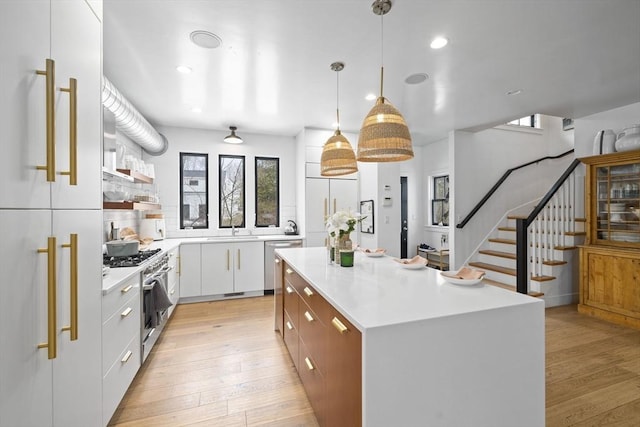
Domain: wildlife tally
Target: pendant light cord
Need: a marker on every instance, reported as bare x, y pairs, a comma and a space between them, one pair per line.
381, 52
338, 100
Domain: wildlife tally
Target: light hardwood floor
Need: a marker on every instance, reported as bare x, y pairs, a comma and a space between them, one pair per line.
221, 364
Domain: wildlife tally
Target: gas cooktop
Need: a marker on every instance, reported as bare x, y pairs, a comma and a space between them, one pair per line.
128, 261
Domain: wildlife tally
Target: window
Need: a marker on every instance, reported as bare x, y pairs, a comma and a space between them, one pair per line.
267, 192
194, 191
440, 200
531, 121
231, 191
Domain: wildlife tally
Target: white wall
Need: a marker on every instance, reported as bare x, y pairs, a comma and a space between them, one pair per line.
616, 119
167, 167
435, 163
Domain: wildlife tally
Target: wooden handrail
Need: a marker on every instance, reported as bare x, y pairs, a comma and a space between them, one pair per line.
499, 183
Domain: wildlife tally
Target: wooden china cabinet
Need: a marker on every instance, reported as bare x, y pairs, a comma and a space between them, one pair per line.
610, 258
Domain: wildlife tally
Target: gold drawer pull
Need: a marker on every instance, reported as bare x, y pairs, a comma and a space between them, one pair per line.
308, 291
126, 312
289, 325
289, 271
339, 325
289, 290
308, 316
126, 357
309, 364
126, 289
277, 261
173, 291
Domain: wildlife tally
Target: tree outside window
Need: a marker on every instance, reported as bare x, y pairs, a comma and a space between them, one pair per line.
194, 191
440, 201
267, 192
231, 191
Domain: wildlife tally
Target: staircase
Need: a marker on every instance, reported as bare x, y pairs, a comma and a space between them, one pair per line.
552, 254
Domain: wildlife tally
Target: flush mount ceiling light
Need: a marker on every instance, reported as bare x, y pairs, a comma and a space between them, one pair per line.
417, 78
338, 157
384, 136
439, 43
233, 138
183, 69
205, 39
514, 92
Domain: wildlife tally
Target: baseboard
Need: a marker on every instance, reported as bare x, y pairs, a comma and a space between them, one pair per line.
557, 300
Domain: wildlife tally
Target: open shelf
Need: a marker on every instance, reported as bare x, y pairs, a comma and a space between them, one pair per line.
138, 206
137, 176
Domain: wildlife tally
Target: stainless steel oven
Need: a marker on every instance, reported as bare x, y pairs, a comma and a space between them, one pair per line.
155, 302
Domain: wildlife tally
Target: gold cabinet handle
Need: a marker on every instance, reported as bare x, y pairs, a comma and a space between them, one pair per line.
127, 312
308, 291
308, 316
339, 325
289, 271
228, 259
126, 357
173, 291
238, 259
289, 325
51, 344
334, 206
325, 207
179, 265
73, 131
73, 293
49, 72
309, 364
289, 290
126, 289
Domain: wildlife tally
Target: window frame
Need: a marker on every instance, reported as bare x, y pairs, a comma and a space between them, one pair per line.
439, 202
182, 224
244, 191
277, 186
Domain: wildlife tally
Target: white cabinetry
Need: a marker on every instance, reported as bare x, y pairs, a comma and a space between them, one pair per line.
190, 275
229, 268
51, 297
323, 198
120, 343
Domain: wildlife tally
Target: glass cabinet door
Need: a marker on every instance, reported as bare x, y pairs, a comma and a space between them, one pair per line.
618, 198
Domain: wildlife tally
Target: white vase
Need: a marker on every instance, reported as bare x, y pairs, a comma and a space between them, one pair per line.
604, 142
629, 139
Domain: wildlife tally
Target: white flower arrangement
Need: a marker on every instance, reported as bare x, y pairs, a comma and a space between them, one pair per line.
342, 223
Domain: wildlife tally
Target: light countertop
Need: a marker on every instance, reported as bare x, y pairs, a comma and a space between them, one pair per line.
378, 292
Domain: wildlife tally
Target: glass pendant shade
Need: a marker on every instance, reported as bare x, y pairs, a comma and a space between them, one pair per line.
338, 157
384, 136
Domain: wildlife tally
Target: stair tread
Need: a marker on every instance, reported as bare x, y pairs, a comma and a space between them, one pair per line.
542, 278
507, 228
492, 267
505, 241
576, 233
497, 253
509, 287
554, 262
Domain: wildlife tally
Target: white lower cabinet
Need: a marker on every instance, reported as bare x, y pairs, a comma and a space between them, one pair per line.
190, 276
58, 384
229, 268
120, 343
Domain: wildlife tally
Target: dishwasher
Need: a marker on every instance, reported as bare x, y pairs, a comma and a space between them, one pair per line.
269, 259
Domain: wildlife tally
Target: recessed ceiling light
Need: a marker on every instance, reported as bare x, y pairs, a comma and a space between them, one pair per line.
514, 92
416, 78
196, 110
370, 97
205, 39
183, 69
439, 43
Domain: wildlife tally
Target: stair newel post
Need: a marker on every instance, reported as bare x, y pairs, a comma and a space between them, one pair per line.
522, 257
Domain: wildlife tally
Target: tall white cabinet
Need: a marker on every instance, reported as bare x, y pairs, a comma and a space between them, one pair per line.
51, 257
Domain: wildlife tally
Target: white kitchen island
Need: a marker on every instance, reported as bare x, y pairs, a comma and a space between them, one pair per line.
434, 353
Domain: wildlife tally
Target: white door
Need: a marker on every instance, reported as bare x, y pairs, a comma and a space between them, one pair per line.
248, 266
190, 274
24, 31
75, 46
317, 204
217, 268
77, 371
25, 371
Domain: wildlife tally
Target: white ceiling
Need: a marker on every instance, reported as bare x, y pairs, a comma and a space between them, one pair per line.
570, 58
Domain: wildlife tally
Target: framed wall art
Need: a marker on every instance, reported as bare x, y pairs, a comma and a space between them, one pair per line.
366, 210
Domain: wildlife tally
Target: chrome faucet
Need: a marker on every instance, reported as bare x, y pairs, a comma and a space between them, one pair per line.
233, 230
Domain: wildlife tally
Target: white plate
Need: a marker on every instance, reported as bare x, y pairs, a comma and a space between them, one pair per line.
374, 254
465, 282
414, 266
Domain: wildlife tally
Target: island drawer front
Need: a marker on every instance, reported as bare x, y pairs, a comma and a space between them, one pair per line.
291, 302
317, 303
292, 276
314, 384
313, 332
290, 335
112, 301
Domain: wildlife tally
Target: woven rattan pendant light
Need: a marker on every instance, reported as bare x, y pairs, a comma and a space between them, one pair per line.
384, 136
338, 157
